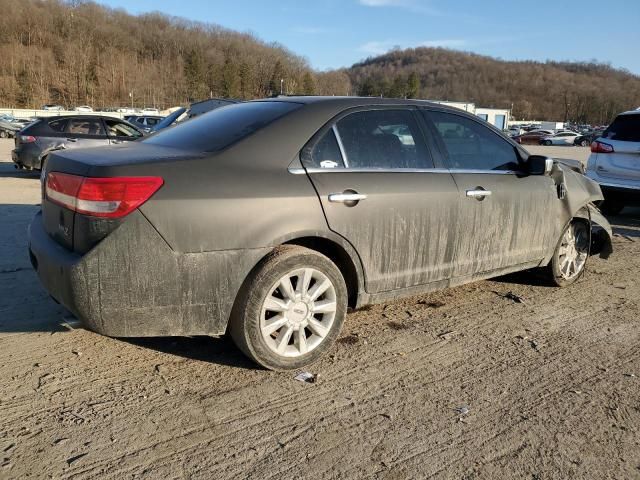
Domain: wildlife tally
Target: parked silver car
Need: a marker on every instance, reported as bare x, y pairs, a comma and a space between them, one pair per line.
615, 162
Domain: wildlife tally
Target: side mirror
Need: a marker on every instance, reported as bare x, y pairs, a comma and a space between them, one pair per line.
539, 165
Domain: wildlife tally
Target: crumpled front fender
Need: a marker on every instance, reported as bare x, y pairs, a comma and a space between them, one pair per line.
602, 233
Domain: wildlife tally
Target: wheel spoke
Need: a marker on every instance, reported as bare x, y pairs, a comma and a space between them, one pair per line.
303, 281
286, 288
274, 324
324, 306
301, 340
283, 339
316, 327
274, 304
319, 288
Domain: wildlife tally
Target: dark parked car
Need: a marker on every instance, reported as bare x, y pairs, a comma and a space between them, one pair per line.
35, 143
532, 138
587, 139
268, 219
144, 122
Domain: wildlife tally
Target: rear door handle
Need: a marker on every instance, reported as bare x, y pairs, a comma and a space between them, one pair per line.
480, 194
72, 139
346, 197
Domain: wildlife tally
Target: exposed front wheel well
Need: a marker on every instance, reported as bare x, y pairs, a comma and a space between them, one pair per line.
337, 255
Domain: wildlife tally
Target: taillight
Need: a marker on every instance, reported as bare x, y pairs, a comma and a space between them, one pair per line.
100, 197
600, 147
27, 139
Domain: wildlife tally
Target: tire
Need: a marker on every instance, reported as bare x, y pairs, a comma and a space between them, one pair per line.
308, 335
562, 271
611, 207
547, 143
3, 134
585, 143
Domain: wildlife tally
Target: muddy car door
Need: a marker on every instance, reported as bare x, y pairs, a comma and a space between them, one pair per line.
379, 190
506, 217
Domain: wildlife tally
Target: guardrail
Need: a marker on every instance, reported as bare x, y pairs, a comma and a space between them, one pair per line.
28, 113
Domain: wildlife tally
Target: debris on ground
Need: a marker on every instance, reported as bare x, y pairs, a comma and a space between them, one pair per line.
447, 335
462, 410
515, 298
307, 377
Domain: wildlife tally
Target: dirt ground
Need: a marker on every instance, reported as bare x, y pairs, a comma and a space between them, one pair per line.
546, 389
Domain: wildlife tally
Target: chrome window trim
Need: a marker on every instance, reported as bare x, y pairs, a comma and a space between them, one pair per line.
300, 171
345, 160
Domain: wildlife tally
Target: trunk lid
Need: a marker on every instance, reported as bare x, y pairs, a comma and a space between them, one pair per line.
79, 232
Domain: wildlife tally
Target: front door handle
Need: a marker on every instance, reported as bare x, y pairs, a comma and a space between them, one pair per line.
346, 197
72, 139
478, 193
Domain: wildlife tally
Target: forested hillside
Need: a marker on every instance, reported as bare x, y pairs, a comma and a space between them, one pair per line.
76, 52
583, 92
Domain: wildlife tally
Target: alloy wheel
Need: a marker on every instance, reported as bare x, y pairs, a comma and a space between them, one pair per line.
573, 251
298, 312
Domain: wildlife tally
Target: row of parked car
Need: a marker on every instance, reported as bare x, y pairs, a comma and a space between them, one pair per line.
561, 137
35, 141
88, 109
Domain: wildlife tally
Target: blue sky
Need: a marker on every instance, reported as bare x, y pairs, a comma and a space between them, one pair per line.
338, 33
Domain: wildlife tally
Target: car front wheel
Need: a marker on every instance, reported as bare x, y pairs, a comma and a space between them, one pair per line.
585, 143
570, 256
291, 310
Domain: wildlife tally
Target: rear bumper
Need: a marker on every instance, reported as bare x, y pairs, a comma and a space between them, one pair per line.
133, 285
623, 194
26, 156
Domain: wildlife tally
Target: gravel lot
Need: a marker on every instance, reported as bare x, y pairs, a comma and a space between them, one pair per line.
552, 386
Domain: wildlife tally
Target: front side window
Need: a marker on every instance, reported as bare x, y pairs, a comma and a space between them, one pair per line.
385, 139
85, 126
469, 145
119, 129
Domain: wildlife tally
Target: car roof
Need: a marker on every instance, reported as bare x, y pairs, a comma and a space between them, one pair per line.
630, 112
347, 102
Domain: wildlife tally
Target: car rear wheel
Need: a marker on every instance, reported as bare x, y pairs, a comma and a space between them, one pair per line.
291, 309
547, 142
3, 134
570, 257
585, 143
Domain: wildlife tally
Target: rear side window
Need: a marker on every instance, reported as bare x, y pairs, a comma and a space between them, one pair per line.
58, 125
222, 127
625, 128
85, 126
469, 145
324, 154
386, 139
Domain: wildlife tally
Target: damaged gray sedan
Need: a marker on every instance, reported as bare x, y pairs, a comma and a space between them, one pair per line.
268, 219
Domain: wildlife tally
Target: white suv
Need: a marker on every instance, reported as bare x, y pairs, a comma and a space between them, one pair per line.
615, 163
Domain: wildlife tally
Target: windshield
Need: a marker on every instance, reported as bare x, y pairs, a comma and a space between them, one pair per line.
625, 128
222, 127
169, 119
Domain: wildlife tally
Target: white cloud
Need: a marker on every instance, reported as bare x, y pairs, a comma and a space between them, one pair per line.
418, 6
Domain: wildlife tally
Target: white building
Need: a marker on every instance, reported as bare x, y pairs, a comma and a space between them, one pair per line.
498, 117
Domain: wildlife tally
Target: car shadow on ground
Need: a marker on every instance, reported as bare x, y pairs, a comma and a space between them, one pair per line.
8, 170
204, 349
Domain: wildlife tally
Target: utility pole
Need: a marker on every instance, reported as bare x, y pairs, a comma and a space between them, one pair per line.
281, 86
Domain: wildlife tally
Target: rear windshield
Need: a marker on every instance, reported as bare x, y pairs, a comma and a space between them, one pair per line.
625, 128
221, 127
